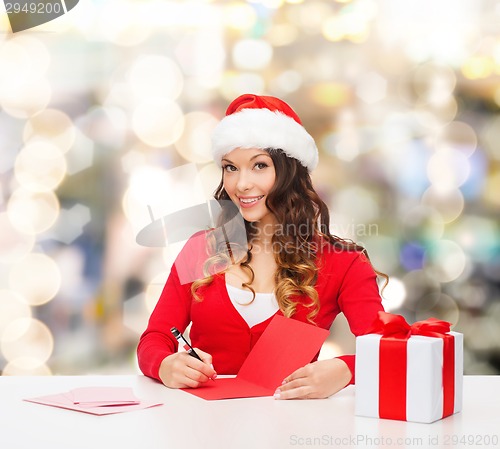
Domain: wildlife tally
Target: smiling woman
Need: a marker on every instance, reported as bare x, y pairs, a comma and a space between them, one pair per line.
290, 264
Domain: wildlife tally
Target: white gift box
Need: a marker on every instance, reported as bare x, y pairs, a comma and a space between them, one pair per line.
424, 377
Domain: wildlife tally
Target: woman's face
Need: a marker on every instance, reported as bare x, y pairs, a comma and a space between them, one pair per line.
248, 177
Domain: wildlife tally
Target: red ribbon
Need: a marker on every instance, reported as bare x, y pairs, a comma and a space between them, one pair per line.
392, 372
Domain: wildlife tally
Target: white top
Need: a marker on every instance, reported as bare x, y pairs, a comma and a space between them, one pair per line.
263, 306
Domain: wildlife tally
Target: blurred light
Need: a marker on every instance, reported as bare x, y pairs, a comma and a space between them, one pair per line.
14, 244
81, 154
309, 16
445, 260
154, 76
412, 256
428, 30
422, 223
490, 136
147, 186
483, 333
36, 277
32, 213
440, 306
12, 307
26, 100
70, 223
382, 249
132, 159
434, 83
163, 191
195, 144
479, 236
333, 29
135, 315
459, 136
478, 67
158, 122
239, 16
349, 24
153, 290
331, 94
125, 28
394, 295
282, 34
27, 338
358, 203
371, 87
436, 116
210, 177
395, 132
447, 169
449, 203
4, 25
53, 125
170, 252
252, 54
271, 4
24, 60
108, 126
474, 295
496, 96
26, 366
492, 187
119, 95
202, 55
238, 83
419, 284
496, 50
11, 129
40, 166
287, 82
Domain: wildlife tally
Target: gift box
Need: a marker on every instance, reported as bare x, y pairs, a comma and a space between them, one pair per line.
410, 373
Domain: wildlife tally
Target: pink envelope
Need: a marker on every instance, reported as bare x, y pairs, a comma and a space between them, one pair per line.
104, 396
285, 346
96, 400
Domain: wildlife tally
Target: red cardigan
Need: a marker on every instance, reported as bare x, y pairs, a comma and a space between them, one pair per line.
346, 283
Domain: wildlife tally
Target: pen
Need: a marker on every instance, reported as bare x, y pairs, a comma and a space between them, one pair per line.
189, 349
182, 341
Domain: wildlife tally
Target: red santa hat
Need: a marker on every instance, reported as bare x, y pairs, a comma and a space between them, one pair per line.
257, 121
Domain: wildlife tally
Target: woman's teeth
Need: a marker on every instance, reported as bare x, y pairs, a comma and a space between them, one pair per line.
251, 200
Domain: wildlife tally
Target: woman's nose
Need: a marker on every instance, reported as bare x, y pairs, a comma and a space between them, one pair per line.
244, 181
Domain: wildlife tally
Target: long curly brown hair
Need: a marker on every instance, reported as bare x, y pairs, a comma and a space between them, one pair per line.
303, 228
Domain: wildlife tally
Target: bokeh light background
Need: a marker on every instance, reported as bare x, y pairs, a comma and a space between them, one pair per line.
105, 117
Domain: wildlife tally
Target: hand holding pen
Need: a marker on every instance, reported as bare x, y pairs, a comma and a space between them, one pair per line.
184, 344
186, 369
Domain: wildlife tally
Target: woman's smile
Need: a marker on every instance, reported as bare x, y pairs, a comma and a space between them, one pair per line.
249, 201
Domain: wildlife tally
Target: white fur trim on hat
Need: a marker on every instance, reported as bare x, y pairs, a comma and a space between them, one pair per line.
263, 128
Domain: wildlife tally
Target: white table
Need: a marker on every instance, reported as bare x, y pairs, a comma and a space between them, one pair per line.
185, 421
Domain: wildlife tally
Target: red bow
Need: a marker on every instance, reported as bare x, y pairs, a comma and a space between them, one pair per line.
391, 325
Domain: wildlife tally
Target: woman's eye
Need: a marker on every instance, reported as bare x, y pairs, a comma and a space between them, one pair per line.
229, 167
261, 165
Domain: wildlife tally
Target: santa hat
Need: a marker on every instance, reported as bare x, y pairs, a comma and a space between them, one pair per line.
255, 121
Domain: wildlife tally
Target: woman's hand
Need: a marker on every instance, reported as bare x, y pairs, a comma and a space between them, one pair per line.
316, 380
181, 370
